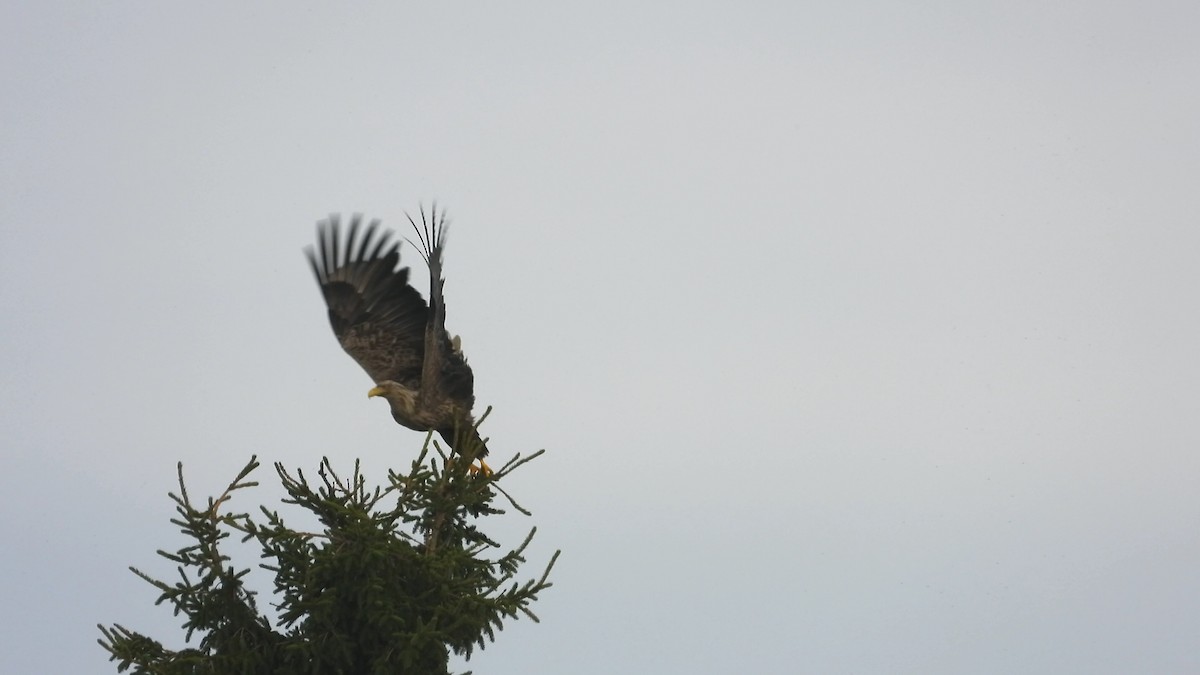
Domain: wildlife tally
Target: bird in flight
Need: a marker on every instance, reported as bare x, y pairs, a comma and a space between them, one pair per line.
385, 325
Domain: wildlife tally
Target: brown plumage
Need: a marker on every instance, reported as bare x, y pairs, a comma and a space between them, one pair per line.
384, 324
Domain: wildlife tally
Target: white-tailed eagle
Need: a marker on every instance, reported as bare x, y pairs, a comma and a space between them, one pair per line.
384, 324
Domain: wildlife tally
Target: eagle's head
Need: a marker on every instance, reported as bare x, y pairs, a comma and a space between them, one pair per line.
402, 399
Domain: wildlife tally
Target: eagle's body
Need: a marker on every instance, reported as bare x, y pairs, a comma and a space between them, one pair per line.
384, 324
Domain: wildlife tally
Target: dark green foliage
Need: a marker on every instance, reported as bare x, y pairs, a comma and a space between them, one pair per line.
396, 580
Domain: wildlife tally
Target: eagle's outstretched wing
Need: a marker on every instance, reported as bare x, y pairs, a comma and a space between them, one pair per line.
377, 317
445, 367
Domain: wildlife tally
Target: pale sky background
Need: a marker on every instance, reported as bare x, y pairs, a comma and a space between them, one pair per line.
862, 337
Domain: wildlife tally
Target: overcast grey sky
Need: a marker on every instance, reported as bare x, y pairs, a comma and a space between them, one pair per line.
862, 336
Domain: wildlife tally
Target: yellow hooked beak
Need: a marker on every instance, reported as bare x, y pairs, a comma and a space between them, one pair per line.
377, 391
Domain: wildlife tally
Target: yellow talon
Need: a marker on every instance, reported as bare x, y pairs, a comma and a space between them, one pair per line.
487, 470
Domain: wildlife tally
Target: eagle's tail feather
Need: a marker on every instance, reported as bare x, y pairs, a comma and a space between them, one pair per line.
467, 443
